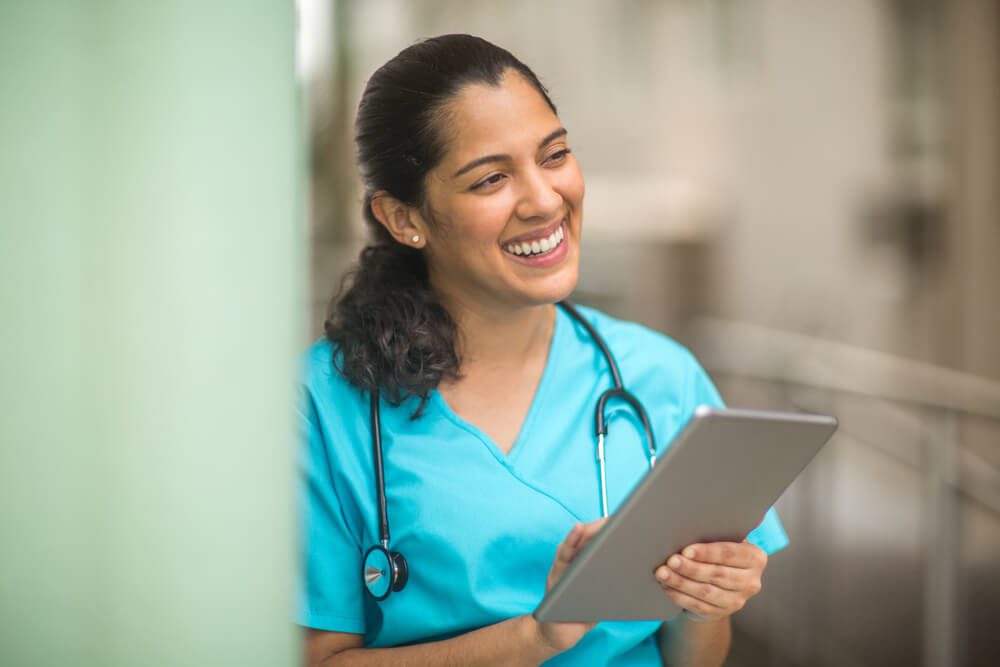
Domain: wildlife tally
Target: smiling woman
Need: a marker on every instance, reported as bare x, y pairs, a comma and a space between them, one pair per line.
460, 192
453, 396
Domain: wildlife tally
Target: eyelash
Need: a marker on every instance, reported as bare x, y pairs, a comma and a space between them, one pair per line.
558, 155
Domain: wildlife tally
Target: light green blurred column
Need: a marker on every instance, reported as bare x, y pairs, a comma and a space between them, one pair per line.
152, 301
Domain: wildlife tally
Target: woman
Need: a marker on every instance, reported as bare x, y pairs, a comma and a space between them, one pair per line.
484, 391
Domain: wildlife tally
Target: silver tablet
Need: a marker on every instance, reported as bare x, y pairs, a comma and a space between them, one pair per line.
715, 483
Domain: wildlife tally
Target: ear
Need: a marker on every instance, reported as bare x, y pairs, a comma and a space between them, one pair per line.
401, 220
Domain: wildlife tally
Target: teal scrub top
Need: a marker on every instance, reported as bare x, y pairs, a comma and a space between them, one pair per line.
479, 529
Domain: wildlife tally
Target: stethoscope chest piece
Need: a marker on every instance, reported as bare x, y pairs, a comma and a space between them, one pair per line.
384, 571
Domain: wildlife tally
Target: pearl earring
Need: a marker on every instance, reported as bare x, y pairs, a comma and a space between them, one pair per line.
416, 238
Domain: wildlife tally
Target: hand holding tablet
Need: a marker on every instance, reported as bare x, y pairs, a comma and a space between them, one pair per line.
713, 485
713, 581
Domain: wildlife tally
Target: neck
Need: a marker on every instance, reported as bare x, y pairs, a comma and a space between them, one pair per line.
499, 338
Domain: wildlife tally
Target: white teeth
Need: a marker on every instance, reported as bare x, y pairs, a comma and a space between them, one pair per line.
539, 245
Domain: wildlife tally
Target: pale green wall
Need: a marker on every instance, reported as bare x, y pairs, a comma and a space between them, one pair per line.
152, 304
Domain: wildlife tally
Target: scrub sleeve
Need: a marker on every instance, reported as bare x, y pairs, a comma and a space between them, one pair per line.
330, 598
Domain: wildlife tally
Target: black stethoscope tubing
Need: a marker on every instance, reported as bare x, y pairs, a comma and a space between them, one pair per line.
379, 561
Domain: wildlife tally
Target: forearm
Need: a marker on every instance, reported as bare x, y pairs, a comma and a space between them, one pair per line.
688, 643
512, 642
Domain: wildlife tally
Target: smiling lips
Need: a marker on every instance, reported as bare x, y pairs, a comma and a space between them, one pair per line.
537, 247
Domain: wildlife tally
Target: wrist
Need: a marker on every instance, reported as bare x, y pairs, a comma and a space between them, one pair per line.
698, 618
539, 645
697, 623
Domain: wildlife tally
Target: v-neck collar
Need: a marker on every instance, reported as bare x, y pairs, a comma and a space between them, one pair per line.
537, 401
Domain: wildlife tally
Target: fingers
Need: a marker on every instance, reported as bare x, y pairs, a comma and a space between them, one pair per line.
720, 576
704, 609
713, 579
589, 531
723, 599
565, 553
577, 538
567, 550
731, 554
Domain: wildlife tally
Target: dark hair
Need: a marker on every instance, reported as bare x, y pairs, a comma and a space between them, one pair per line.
392, 332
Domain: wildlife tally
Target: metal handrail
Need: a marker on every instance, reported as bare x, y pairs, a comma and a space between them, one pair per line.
755, 351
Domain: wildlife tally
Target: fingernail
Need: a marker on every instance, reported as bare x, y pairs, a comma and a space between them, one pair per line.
662, 574
674, 562
689, 552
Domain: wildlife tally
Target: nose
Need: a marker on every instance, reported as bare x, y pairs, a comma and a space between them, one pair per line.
539, 200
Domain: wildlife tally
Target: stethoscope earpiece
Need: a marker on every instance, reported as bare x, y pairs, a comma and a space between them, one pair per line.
385, 571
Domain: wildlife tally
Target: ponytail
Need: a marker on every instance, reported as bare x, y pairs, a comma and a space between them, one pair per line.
390, 330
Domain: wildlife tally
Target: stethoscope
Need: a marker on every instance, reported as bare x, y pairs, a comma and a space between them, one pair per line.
385, 571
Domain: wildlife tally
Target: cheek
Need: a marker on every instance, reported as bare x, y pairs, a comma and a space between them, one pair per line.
571, 184
482, 220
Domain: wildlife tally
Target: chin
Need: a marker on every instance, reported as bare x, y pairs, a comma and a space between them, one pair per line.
558, 288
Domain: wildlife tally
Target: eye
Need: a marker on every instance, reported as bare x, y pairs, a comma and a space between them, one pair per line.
558, 156
489, 180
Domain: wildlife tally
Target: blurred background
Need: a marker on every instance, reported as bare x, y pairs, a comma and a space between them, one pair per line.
805, 194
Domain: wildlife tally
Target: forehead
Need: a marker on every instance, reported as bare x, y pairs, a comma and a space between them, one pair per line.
484, 119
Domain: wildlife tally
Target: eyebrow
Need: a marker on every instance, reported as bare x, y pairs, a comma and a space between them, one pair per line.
503, 156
